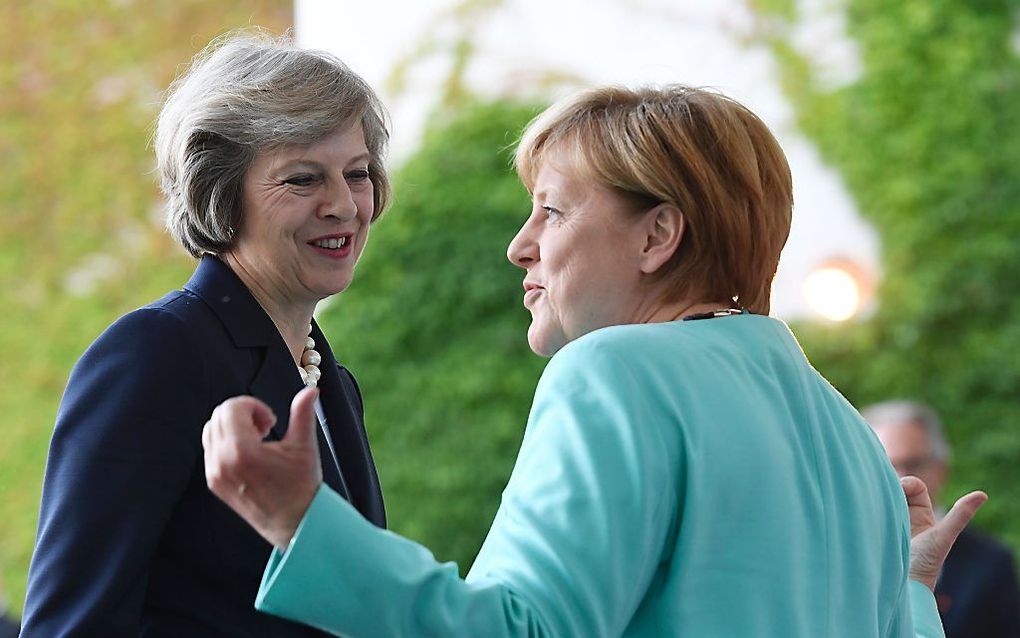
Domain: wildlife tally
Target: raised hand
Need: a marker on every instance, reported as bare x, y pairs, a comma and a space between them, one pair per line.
269, 484
930, 541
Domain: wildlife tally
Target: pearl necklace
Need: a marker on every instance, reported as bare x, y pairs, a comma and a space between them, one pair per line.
310, 360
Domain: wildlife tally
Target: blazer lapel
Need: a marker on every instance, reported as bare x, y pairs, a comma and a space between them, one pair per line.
276, 382
276, 379
348, 434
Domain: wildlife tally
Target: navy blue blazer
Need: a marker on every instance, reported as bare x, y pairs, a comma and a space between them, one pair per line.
977, 591
131, 542
8, 628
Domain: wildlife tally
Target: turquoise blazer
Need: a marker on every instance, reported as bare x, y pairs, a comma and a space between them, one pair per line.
692, 478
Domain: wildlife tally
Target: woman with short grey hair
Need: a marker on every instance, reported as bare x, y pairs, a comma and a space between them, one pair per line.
271, 162
253, 93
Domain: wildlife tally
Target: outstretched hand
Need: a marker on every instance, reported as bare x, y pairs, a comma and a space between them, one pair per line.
930, 541
269, 484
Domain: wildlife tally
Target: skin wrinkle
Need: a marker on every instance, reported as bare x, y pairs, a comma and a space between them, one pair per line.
594, 259
271, 253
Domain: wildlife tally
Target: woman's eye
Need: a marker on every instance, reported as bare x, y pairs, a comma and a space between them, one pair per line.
301, 180
359, 175
552, 213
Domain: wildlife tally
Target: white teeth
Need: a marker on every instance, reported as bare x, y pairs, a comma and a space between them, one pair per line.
332, 243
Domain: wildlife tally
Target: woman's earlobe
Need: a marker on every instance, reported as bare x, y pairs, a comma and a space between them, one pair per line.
666, 227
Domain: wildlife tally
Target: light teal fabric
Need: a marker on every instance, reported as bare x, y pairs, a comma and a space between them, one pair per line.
692, 478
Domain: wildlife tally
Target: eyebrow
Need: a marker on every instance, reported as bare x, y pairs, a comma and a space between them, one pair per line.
366, 156
557, 195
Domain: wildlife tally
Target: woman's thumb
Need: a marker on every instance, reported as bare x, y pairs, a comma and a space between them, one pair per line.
301, 429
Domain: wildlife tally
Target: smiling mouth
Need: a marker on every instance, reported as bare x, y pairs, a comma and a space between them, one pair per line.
337, 247
332, 243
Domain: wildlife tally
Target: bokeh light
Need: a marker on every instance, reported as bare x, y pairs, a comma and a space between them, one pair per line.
835, 291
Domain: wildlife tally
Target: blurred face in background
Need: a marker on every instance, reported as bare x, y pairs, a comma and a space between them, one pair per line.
580, 247
911, 453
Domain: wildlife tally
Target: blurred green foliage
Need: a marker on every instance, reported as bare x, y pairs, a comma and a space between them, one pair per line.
435, 332
928, 139
433, 328
81, 237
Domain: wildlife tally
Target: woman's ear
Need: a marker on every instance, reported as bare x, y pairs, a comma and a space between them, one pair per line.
664, 230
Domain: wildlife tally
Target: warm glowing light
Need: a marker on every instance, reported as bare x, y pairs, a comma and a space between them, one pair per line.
833, 292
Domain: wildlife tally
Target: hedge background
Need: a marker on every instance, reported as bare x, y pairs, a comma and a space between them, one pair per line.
928, 139
433, 327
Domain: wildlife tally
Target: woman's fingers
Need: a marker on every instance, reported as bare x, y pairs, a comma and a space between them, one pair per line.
269, 484
916, 491
233, 432
931, 540
245, 413
961, 514
922, 514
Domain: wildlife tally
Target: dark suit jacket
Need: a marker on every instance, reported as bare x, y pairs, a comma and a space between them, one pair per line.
977, 591
131, 542
8, 628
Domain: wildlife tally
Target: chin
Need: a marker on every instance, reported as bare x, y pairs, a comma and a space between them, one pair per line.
337, 285
541, 344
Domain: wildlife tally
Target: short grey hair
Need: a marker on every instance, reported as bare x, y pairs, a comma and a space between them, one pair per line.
248, 92
899, 413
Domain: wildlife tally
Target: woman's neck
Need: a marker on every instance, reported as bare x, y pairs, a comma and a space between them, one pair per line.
290, 317
673, 311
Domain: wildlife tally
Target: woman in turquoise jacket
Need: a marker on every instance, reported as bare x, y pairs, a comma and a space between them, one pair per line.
685, 471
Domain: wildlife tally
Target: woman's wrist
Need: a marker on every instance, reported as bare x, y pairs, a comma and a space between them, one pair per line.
285, 523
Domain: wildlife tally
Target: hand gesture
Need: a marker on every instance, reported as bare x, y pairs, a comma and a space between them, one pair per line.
269, 484
930, 541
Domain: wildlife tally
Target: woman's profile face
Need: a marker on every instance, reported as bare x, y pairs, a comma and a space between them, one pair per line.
580, 247
306, 212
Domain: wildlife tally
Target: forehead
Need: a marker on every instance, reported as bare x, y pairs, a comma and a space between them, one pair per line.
341, 145
902, 438
556, 172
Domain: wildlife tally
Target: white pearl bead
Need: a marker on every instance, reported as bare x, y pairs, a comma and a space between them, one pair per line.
311, 358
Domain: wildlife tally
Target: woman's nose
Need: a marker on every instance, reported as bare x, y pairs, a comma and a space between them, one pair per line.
339, 203
523, 248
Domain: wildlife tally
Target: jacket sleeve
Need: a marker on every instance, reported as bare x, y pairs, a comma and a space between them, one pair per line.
573, 548
126, 441
917, 617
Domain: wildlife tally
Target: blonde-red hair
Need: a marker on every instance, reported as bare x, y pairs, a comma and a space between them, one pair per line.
700, 151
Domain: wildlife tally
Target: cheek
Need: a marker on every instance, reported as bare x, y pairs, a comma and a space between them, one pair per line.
592, 296
362, 241
365, 201
575, 288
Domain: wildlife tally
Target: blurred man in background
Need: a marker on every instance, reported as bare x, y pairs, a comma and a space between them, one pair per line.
977, 592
